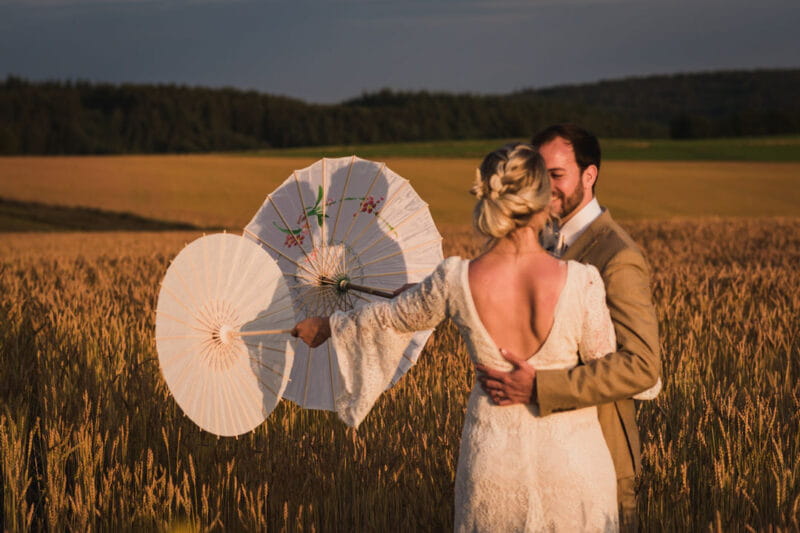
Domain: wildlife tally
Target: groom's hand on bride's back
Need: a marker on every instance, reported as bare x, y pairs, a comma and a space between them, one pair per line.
508, 388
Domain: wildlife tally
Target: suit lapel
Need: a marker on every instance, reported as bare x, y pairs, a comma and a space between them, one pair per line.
587, 240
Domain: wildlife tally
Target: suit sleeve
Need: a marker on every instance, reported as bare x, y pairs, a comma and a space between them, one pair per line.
634, 367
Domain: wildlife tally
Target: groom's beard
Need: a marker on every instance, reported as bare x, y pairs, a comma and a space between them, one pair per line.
568, 203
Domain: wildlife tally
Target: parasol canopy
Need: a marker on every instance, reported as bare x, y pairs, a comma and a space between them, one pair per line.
222, 333
345, 232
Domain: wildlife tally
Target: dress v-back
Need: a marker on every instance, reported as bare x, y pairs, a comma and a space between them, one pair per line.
469, 298
517, 471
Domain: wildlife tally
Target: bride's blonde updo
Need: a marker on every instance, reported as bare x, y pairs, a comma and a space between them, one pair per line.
511, 185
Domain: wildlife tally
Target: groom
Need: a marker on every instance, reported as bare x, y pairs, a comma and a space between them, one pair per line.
588, 234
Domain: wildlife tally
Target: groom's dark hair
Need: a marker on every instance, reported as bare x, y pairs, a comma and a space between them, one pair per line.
584, 144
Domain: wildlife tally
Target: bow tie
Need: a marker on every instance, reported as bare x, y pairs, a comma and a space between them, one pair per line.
553, 241
560, 245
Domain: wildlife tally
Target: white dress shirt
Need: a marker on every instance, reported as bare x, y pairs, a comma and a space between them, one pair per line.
576, 225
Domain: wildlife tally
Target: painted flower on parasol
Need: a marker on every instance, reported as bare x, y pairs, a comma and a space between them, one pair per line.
344, 232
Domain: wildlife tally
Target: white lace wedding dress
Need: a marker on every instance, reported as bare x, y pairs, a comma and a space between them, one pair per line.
517, 471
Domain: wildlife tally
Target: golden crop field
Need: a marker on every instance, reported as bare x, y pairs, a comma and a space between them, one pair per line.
225, 190
90, 438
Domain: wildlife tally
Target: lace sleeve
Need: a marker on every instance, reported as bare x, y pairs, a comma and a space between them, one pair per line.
370, 341
598, 338
597, 335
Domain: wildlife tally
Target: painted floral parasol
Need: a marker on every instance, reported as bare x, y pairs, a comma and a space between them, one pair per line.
345, 232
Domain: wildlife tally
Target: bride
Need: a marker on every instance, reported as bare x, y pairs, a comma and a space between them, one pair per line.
517, 471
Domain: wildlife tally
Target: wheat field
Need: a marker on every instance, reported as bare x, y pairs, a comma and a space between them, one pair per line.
91, 439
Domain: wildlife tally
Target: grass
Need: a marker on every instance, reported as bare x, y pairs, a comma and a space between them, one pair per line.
761, 149
34, 216
729, 149
225, 191
90, 438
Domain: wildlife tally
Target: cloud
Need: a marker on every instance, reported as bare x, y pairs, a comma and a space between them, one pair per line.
448, 12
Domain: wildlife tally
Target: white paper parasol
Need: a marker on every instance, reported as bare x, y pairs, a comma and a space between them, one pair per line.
339, 225
222, 333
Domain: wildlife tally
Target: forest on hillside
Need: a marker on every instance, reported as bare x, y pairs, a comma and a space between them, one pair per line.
66, 117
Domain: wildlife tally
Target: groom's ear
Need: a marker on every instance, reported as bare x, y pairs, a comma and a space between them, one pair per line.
589, 177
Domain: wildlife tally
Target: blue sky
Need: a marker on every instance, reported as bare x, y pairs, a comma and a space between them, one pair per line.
328, 51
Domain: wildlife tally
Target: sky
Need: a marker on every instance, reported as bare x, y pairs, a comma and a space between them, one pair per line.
327, 51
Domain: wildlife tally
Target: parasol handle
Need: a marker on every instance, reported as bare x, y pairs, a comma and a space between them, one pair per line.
261, 332
344, 284
370, 290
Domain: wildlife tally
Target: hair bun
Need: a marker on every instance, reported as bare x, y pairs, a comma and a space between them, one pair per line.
511, 186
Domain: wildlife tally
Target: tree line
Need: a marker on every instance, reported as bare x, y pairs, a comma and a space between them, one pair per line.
65, 117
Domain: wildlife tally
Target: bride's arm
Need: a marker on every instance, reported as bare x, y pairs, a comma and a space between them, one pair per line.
598, 338
370, 341
597, 333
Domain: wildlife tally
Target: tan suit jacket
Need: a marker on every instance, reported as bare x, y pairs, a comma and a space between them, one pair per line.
611, 381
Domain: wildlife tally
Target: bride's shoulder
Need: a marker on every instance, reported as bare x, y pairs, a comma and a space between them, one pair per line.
449, 267
454, 262
586, 274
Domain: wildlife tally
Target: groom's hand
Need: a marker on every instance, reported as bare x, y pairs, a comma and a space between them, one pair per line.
509, 388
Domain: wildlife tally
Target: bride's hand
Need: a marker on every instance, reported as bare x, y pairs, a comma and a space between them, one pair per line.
313, 331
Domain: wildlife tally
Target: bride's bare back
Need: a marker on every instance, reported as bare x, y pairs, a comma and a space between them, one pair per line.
515, 295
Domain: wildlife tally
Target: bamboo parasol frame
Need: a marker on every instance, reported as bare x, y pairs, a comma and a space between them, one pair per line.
345, 232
